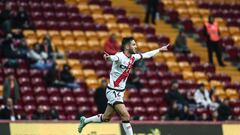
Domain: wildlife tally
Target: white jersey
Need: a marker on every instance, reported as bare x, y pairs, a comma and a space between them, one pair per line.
118, 67
121, 63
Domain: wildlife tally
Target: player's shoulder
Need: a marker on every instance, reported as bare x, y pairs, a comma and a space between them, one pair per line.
119, 54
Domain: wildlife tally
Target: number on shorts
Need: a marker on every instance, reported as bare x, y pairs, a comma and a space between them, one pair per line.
116, 94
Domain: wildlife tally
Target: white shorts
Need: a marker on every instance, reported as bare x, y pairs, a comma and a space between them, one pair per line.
114, 96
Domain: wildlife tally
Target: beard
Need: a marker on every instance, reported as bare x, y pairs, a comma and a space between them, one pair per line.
131, 51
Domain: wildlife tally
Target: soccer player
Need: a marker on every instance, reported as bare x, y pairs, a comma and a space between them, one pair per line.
122, 63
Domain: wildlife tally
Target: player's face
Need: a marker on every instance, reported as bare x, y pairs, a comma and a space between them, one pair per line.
133, 47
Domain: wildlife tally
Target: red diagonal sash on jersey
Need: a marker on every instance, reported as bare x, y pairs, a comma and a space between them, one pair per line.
125, 73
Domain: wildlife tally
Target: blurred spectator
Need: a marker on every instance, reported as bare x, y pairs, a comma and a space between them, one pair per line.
53, 114
191, 115
212, 34
190, 100
52, 77
6, 18
39, 114
111, 45
22, 48
173, 112
214, 116
21, 19
204, 117
140, 65
11, 89
100, 97
9, 50
67, 77
180, 44
203, 99
47, 47
7, 112
173, 95
152, 7
133, 80
224, 111
39, 58
18, 34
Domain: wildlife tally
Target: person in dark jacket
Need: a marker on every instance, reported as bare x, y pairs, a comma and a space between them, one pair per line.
174, 95
100, 97
181, 43
21, 19
6, 18
53, 114
67, 77
39, 114
11, 89
224, 111
7, 112
151, 10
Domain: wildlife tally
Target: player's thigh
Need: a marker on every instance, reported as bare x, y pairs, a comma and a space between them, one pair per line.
108, 112
122, 110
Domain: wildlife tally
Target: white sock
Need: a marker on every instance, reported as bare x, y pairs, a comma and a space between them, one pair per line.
94, 119
127, 128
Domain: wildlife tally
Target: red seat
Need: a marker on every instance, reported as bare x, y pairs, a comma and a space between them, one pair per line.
37, 81
66, 91
40, 91
26, 90
68, 100
133, 20
28, 99
162, 110
139, 110
49, 16
135, 101
22, 72
53, 91
71, 117
23, 81
79, 92
62, 116
18, 109
148, 101
70, 109
55, 100
7, 71
133, 93
144, 92
59, 108
152, 110
81, 100
42, 100
29, 108
35, 73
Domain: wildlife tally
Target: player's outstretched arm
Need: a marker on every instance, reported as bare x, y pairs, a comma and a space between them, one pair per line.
108, 57
154, 52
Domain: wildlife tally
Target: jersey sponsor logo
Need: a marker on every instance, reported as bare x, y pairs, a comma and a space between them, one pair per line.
123, 67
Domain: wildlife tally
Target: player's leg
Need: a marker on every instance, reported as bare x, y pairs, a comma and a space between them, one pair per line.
97, 118
125, 116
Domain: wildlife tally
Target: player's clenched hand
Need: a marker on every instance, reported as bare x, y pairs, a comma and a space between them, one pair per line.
106, 56
164, 48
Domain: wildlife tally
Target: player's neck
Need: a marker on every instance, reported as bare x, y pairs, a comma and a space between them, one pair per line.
127, 54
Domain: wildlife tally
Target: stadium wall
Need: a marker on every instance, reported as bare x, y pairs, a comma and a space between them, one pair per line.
140, 128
